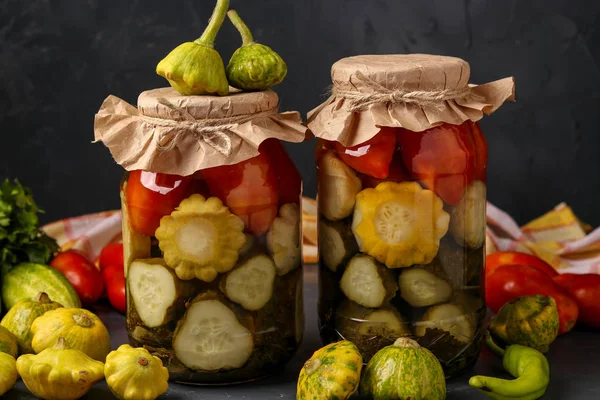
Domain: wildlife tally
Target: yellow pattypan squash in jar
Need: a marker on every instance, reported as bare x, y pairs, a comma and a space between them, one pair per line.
8, 373
399, 224
81, 329
135, 374
59, 372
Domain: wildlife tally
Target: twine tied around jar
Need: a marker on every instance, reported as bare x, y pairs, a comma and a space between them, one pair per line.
212, 130
357, 101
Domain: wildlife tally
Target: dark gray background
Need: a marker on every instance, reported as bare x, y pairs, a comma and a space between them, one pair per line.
60, 59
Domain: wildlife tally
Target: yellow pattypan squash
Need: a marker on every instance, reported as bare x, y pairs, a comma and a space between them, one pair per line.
59, 373
81, 329
399, 224
8, 373
135, 374
333, 372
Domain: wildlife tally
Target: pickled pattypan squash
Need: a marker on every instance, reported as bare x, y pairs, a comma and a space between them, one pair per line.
8, 373
196, 68
81, 329
59, 372
333, 372
135, 374
201, 238
399, 224
253, 66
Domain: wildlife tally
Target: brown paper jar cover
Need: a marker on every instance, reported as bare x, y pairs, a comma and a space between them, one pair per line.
434, 81
167, 132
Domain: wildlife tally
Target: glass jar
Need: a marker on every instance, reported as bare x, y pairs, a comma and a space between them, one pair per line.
401, 221
213, 258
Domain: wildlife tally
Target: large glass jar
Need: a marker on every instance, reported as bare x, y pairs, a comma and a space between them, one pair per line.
401, 219
213, 258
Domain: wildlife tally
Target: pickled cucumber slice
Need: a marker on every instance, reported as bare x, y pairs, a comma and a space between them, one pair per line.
210, 337
369, 329
400, 224
468, 219
155, 289
201, 238
367, 282
283, 239
135, 245
336, 243
338, 187
422, 288
448, 317
251, 283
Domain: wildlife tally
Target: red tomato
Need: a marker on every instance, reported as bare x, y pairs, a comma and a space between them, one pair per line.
508, 282
398, 173
501, 258
443, 158
372, 157
83, 275
114, 278
585, 289
111, 254
481, 152
249, 189
289, 180
151, 196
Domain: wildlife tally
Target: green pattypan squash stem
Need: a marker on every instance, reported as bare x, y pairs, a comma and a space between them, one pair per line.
236, 20
214, 25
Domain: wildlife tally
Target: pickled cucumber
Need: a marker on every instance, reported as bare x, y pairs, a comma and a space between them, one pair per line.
336, 243
250, 283
468, 219
211, 337
135, 245
369, 329
338, 187
422, 288
367, 282
155, 291
283, 239
449, 317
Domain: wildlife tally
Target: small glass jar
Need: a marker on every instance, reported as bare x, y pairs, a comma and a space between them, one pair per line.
213, 258
401, 215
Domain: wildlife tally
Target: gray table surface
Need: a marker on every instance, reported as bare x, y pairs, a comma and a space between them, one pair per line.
574, 362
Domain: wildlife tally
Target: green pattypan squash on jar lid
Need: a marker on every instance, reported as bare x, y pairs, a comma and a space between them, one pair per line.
253, 66
403, 371
196, 68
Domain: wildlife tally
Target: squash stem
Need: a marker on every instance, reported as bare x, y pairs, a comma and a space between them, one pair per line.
61, 344
143, 361
493, 346
214, 25
83, 320
43, 298
236, 20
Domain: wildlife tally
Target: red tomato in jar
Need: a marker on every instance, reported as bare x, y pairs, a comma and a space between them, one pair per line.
481, 150
82, 274
249, 189
508, 282
151, 196
397, 173
445, 158
112, 254
585, 289
501, 258
372, 157
289, 180
114, 278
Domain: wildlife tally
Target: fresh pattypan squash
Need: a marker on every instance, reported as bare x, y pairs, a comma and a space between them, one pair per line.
59, 372
81, 329
135, 374
403, 371
253, 66
8, 342
8, 373
19, 318
333, 372
196, 68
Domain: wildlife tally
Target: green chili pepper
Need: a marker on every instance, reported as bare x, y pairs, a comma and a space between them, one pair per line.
527, 365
